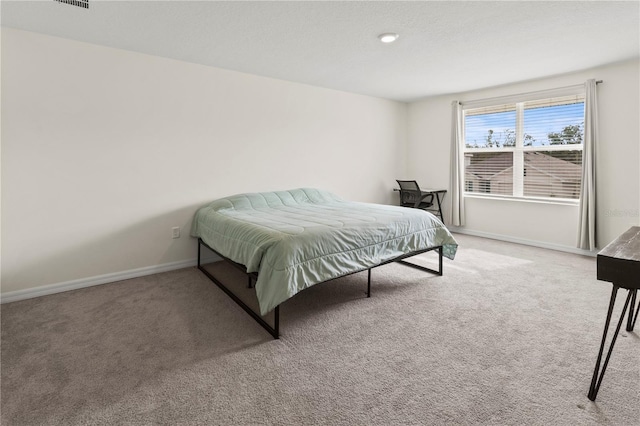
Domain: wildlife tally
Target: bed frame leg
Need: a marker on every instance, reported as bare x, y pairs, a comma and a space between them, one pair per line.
275, 330
439, 249
199, 253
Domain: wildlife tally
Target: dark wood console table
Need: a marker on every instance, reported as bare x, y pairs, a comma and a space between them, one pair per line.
618, 263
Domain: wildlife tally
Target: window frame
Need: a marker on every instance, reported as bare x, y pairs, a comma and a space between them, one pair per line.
519, 149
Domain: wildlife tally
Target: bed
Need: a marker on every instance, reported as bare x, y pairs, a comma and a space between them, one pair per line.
287, 241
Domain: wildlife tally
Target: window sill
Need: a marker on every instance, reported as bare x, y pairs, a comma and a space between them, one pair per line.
559, 201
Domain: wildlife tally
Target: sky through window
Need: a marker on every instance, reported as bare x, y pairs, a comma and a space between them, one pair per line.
497, 129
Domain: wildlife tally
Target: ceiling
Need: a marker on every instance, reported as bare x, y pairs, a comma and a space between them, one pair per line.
444, 46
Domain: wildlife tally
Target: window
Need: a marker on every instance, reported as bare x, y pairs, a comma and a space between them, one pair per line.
531, 148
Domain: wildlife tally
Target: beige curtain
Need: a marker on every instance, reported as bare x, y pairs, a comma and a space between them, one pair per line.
457, 167
587, 219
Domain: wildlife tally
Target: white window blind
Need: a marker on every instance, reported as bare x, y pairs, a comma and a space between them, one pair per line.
79, 3
527, 149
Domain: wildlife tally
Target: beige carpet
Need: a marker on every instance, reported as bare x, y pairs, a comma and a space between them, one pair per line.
508, 336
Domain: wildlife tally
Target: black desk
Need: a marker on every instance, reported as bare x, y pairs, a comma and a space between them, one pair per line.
438, 195
618, 263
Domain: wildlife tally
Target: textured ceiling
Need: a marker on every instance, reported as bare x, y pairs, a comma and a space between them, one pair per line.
444, 47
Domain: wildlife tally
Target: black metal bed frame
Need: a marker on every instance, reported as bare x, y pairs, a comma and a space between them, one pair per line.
253, 276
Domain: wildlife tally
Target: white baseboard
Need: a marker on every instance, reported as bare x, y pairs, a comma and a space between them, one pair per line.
522, 241
14, 296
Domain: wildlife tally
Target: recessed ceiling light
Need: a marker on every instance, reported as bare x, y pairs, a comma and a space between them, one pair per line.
388, 37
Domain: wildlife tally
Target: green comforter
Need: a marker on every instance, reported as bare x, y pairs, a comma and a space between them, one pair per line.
295, 239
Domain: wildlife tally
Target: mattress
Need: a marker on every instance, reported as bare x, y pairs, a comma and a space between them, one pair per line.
297, 238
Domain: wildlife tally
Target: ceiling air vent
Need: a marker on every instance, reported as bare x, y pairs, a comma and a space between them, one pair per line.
79, 3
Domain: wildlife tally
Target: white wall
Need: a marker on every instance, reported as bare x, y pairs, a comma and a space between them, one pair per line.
105, 150
617, 168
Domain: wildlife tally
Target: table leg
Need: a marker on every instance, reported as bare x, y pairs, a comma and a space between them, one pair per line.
439, 206
631, 322
597, 379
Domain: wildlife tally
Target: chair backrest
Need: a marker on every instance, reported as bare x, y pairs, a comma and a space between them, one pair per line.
408, 185
409, 192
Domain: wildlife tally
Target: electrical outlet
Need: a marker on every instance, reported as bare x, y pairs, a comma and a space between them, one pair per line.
175, 232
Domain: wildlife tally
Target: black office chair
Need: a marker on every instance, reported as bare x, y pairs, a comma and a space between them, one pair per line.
411, 196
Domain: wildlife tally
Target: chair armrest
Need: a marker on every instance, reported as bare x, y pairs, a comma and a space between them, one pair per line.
425, 196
